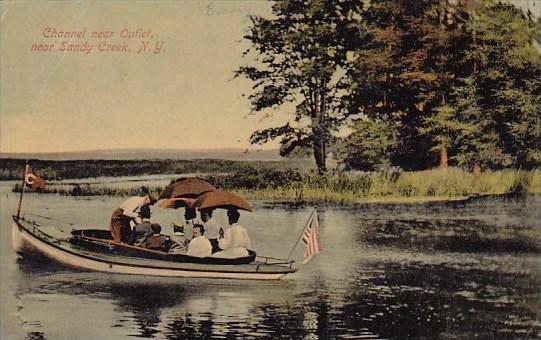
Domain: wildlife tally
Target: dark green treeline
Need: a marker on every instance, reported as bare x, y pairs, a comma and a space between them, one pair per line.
419, 83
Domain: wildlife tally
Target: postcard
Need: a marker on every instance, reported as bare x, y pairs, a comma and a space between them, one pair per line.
270, 169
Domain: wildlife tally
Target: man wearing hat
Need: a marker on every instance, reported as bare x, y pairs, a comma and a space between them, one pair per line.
128, 211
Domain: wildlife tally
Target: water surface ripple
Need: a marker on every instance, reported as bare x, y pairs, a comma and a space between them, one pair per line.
432, 271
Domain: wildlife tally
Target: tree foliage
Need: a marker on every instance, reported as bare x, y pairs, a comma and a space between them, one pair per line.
456, 77
462, 77
371, 143
300, 51
405, 69
508, 76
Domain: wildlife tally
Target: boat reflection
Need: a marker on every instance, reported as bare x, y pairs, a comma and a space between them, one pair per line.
386, 299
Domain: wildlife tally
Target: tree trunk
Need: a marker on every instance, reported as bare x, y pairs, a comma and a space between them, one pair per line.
443, 158
318, 135
443, 150
476, 171
319, 150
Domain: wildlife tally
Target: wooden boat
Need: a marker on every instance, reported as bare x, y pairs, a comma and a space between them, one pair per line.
92, 249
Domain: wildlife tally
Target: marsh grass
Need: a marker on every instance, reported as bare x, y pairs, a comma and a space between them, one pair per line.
499, 182
292, 186
95, 190
429, 185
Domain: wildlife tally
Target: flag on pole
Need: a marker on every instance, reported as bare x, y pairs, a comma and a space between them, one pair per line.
33, 181
310, 238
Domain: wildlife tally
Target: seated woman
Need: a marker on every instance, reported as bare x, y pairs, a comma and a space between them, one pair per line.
235, 241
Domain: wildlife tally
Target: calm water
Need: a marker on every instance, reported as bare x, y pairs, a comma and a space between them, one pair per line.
440, 271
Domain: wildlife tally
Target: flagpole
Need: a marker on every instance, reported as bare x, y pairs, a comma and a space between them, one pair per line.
22, 191
300, 235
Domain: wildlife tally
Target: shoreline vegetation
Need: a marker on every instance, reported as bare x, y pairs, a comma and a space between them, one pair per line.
279, 182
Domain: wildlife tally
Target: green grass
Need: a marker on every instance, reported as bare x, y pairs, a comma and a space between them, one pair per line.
293, 186
91, 190
419, 186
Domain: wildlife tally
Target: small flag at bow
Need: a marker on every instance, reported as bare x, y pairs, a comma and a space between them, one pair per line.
310, 238
33, 181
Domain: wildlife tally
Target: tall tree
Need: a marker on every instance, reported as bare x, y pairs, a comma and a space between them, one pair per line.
300, 51
500, 96
443, 128
405, 69
460, 77
476, 143
525, 129
444, 38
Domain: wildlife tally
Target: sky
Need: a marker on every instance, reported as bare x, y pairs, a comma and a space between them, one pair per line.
182, 97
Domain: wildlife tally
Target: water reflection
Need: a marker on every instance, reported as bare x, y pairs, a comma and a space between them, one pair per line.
412, 299
396, 272
422, 301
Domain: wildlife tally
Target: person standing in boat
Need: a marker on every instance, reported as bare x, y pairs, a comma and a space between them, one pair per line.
235, 241
123, 215
212, 230
199, 246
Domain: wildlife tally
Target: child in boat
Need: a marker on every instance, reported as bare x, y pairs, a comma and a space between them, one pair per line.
156, 241
142, 230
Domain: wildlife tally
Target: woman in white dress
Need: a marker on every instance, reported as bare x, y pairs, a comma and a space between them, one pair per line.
235, 240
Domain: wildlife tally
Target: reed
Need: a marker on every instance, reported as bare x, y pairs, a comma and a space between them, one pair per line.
93, 190
450, 182
293, 186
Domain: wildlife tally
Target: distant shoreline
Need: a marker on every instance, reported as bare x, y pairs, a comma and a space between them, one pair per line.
11, 168
246, 154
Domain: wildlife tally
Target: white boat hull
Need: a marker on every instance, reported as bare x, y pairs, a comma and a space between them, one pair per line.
18, 241
24, 240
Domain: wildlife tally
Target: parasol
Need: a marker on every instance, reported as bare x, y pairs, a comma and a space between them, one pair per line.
176, 202
221, 199
187, 187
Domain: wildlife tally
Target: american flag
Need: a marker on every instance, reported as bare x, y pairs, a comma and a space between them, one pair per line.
310, 238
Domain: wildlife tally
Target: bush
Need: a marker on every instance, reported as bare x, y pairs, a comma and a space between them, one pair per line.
257, 179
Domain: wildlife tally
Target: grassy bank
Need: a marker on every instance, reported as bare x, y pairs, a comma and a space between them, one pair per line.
421, 186
293, 186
